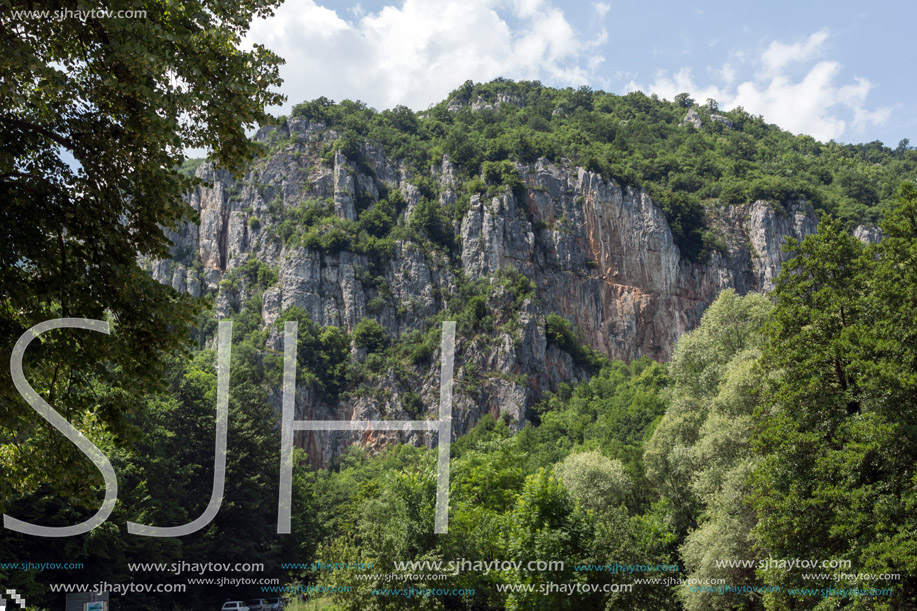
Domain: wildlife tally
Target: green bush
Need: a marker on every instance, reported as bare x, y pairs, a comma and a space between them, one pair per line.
430, 220
377, 220
518, 284
501, 173
376, 304
254, 272
334, 240
375, 362
412, 403
476, 310
559, 332
323, 353
371, 335
419, 347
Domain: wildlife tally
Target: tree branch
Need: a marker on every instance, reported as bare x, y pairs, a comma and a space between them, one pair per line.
47, 133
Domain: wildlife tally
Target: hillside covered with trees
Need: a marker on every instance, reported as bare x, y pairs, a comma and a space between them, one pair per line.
734, 157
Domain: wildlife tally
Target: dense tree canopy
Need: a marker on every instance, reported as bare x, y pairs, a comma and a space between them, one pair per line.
96, 113
637, 140
838, 433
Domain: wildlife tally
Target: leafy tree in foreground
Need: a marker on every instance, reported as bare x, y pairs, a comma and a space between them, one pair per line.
700, 454
165, 479
839, 435
95, 115
547, 523
594, 480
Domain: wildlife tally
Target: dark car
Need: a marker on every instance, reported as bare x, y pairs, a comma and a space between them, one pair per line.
259, 604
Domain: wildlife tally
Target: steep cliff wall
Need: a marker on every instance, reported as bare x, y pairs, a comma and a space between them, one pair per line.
603, 256
600, 254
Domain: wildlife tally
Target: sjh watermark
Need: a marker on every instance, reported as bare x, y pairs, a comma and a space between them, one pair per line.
289, 424
80, 15
14, 597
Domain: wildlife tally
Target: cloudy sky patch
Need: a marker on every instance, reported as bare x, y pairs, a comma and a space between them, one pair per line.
823, 69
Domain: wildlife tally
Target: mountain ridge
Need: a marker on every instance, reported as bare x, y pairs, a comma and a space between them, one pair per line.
534, 258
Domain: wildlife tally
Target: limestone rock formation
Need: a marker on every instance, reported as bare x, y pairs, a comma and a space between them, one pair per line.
600, 254
692, 118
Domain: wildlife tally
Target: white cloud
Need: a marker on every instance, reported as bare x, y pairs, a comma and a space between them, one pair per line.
727, 73
801, 107
778, 55
417, 53
814, 105
602, 9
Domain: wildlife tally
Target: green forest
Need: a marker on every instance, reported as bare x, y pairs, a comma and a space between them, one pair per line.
783, 430
784, 427
635, 139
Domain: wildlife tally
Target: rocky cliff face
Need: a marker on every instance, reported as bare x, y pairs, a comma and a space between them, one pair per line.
600, 254
603, 256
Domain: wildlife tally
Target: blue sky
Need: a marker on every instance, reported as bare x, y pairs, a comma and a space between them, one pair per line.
834, 70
